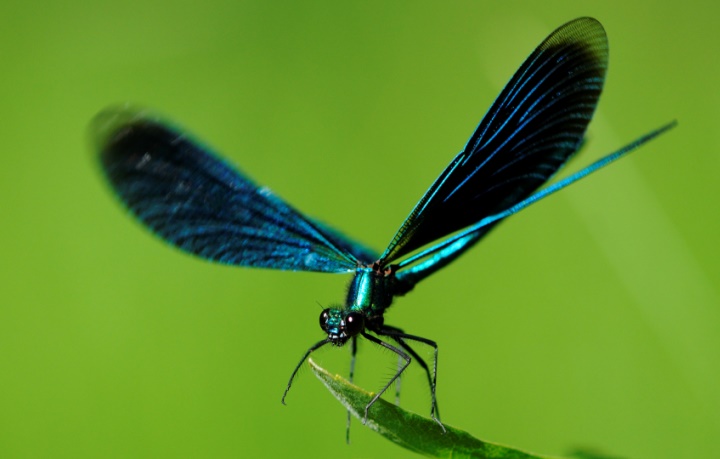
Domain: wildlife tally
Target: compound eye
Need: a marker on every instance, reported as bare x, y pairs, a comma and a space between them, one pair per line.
324, 316
354, 323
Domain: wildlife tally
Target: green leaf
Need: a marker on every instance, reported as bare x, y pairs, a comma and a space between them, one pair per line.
413, 432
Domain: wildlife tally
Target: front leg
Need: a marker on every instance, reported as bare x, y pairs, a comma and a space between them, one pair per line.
397, 351
353, 354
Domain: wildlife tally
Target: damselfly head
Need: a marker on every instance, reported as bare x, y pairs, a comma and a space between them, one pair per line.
341, 324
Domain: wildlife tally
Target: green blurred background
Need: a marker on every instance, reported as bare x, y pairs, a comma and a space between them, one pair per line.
590, 319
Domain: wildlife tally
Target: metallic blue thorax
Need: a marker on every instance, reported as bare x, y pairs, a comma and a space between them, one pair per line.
371, 291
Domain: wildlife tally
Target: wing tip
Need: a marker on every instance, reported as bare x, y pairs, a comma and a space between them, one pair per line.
586, 30
105, 125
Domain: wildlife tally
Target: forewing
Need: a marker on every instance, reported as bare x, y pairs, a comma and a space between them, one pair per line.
531, 130
194, 200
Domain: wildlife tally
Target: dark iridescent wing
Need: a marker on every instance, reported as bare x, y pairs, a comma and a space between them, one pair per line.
196, 201
531, 130
339, 240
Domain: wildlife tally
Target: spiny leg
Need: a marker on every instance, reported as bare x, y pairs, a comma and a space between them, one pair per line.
399, 336
398, 382
410, 351
397, 351
353, 353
